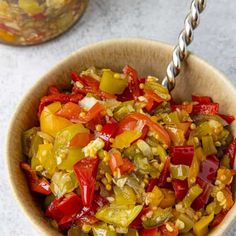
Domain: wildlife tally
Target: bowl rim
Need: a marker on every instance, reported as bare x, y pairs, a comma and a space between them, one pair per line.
57, 65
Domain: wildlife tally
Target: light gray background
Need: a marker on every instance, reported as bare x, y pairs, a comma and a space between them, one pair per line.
162, 20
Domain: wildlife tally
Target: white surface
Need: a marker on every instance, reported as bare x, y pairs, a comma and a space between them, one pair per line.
20, 67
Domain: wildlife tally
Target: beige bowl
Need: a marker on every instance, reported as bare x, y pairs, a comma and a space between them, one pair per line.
149, 58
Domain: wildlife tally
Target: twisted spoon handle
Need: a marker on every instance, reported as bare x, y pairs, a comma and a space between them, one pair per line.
185, 38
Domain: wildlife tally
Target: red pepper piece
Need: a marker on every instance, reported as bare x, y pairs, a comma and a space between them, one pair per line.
208, 169
64, 207
58, 97
66, 222
201, 99
128, 123
81, 140
182, 155
203, 198
99, 201
148, 232
99, 119
164, 136
183, 107
70, 111
89, 85
133, 81
218, 218
153, 100
92, 113
137, 223
125, 96
228, 118
115, 161
205, 109
39, 185
53, 90
108, 131
165, 232
231, 151
127, 167
164, 173
150, 94
85, 80
151, 184
86, 171
87, 215
180, 187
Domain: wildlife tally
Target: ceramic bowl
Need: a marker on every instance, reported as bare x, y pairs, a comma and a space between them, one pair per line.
149, 58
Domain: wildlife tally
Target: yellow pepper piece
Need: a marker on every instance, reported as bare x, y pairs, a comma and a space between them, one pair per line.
155, 197
193, 170
199, 154
74, 155
112, 82
30, 7
200, 228
7, 37
44, 159
120, 216
169, 198
126, 138
103, 230
124, 196
49, 122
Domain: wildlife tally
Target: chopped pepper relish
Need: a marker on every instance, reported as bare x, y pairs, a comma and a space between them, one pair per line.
115, 155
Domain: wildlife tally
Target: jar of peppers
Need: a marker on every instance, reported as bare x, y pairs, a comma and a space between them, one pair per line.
28, 22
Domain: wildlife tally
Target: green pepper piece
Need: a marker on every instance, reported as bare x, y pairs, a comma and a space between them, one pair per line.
203, 129
134, 183
76, 231
63, 182
130, 152
164, 107
63, 138
74, 155
213, 207
158, 89
124, 196
132, 232
208, 145
192, 194
143, 166
198, 119
36, 141
188, 223
225, 161
48, 200
31, 141
120, 216
201, 227
112, 82
103, 230
171, 118
44, 160
124, 109
179, 171
159, 217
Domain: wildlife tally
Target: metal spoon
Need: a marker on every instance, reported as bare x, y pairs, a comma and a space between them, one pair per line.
180, 52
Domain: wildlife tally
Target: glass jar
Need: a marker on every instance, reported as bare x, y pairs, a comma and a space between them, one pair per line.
27, 22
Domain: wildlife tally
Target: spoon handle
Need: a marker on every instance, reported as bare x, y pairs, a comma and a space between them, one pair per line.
185, 38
